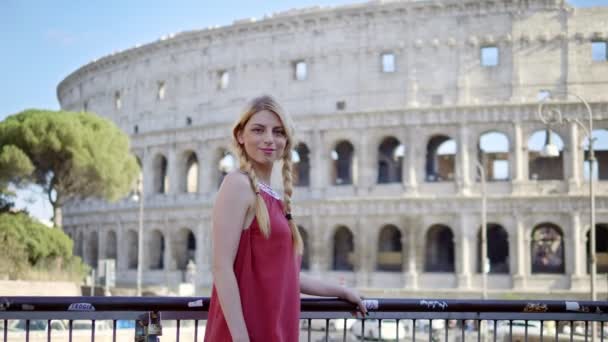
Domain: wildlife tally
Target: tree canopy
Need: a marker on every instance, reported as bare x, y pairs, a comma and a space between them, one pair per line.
70, 155
34, 245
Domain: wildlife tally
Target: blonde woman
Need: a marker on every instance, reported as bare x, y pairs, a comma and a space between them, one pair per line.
256, 244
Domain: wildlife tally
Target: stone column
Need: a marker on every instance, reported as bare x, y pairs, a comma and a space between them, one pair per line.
363, 175
319, 254
412, 158
203, 255
463, 250
148, 172
520, 271
205, 169
577, 245
363, 251
463, 165
518, 158
318, 167
173, 169
574, 164
411, 273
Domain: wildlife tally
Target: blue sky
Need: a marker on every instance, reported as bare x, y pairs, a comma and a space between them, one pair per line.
44, 41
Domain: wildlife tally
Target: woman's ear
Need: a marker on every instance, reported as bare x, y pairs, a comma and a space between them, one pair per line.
239, 137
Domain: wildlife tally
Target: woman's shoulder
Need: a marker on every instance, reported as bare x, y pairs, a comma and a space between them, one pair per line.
238, 183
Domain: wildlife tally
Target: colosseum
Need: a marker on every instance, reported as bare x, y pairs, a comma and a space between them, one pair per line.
400, 108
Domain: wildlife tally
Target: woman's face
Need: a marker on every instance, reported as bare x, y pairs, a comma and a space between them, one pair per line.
263, 138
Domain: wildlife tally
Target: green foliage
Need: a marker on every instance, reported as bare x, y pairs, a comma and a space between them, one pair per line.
71, 155
33, 245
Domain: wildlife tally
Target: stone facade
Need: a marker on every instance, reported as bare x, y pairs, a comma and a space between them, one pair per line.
392, 102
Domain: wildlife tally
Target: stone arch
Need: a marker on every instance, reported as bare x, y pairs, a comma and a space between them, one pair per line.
190, 174
600, 150
541, 167
156, 250
184, 248
111, 245
601, 248
93, 249
493, 154
439, 249
79, 249
547, 249
132, 250
440, 159
161, 176
390, 160
390, 249
343, 249
306, 255
498, 249
226, 162
343, 155
301, 162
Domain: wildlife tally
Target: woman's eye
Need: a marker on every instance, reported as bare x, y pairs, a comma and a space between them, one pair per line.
280, 133
257, 130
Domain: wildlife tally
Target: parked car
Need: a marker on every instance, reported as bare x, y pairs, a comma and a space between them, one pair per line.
504, 329
37, 325
388, 331
87, 325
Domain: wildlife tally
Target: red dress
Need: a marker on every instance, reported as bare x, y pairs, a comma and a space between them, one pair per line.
267, 273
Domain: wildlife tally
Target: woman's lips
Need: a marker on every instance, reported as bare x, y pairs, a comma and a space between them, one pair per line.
267, 150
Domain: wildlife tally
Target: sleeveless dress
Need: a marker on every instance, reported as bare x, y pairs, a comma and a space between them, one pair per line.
267, 273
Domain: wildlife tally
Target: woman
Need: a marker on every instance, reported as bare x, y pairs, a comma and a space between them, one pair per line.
257, 247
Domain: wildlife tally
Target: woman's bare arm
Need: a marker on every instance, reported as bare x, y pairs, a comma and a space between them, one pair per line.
317, 287
229, 211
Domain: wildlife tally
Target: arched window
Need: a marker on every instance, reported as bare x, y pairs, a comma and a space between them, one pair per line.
306, 255
493, 155
184, 248
497, 251
544, 167
343, 250
80, 245
600, 150
93, 250
226, 163
439, 249
547, 249
390, 257
601, 248
161, 178
190, 177
133, 245
343, 156
156, 250
440, 159
111, 245
301, 163
390, 161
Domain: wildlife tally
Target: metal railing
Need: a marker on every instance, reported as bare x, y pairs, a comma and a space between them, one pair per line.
183, 318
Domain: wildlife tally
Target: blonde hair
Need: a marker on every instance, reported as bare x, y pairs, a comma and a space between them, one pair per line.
261, 212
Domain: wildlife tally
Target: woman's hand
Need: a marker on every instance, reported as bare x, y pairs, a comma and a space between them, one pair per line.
353, 297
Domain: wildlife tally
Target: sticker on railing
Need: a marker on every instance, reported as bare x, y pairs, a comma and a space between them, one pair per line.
4, 304
536, 307
434, 304
572, 306
196, 304
81, 307
370, 304
27, 307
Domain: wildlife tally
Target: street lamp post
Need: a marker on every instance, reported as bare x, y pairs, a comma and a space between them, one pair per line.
139, 197
484, 232
554, 116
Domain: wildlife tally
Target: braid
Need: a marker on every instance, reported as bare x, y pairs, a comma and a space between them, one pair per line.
261, 212
287, 191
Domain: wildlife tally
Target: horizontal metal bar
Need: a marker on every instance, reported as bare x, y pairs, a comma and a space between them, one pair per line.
22, 303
